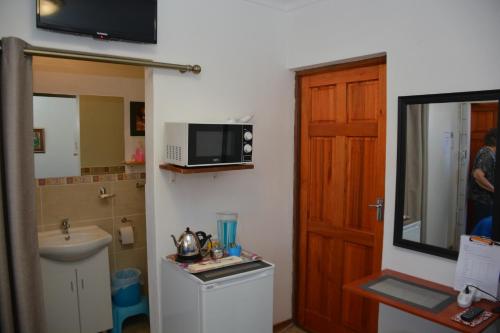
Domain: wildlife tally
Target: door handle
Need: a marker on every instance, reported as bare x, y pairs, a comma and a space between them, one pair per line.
83, 285
71, 285
379, 205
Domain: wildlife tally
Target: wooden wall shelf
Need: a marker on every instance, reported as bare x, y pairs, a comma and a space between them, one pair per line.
442, 317
184, 170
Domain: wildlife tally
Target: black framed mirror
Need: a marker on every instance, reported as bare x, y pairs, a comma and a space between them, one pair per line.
446, 168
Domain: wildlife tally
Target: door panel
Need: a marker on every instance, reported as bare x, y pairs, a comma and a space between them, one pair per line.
358, 259
483, 118
362, 101
322, 185
323, 101
321, 310
318, 266
361, 183
342, 161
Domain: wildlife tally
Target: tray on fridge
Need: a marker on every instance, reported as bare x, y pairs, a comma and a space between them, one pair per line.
208, 263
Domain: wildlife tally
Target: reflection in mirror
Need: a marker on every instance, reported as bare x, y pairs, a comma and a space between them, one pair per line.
58, 116
447, 187
79, 133
439, 157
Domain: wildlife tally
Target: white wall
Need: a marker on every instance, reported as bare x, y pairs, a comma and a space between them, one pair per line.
239, 47
243, 73
442, 172
432, 47
62, 154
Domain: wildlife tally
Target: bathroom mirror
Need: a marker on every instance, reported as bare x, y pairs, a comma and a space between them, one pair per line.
441, 144
77, 132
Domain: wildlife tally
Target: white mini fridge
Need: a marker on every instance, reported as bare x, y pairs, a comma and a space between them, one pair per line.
233, 299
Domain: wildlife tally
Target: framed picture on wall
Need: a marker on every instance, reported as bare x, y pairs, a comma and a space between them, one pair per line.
39, 140
137, 119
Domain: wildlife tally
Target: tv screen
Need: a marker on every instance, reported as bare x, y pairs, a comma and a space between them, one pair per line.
130, 20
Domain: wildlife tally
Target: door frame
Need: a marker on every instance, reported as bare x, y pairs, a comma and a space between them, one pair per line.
378, 60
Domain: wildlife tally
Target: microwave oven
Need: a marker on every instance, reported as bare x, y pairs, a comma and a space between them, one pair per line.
208, 144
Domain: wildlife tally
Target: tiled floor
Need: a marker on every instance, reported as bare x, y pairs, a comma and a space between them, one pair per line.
140, 324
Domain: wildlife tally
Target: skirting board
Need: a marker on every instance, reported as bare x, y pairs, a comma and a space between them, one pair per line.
281, 326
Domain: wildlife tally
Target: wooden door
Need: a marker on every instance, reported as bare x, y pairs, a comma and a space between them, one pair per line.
483, 118
342, 163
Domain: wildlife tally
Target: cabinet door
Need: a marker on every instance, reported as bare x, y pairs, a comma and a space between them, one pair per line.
94, 293
242, 306
60, 292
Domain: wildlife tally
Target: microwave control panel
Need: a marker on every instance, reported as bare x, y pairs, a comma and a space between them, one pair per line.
247, 143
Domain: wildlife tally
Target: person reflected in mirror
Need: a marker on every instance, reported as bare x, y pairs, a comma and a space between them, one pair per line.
483, 178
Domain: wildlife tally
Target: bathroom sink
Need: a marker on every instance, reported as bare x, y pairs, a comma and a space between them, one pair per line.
83, 242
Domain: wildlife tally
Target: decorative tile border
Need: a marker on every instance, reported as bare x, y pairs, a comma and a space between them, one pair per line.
90, 179
103, 170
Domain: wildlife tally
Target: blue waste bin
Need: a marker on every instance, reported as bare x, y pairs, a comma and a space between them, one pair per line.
125, 287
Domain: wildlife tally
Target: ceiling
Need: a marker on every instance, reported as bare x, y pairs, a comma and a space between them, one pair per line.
285, 5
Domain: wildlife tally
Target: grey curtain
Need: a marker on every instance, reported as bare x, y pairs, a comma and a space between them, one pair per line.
21, 295
415, 160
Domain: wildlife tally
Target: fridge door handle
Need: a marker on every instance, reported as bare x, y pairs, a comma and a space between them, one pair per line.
237, 281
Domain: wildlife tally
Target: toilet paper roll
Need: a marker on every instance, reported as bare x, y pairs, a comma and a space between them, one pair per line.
126, 235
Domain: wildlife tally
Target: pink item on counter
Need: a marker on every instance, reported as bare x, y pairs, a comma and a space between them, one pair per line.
139, 155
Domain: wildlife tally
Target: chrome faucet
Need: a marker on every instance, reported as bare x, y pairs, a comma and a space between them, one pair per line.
65, 228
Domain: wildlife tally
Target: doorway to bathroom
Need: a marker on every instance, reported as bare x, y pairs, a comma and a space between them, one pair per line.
341, 162
89, 148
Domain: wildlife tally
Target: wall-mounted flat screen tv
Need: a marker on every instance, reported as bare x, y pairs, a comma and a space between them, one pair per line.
129, 20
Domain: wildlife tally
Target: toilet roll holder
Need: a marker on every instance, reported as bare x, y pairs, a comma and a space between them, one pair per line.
125, 220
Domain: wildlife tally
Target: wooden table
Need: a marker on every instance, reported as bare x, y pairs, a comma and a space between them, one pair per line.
442, 317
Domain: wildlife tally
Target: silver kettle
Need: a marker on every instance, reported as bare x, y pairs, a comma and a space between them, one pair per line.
190, 245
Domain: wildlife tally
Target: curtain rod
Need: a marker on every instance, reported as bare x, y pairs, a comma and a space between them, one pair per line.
87, 56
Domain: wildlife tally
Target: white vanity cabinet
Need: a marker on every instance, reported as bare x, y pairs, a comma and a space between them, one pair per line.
77, 294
